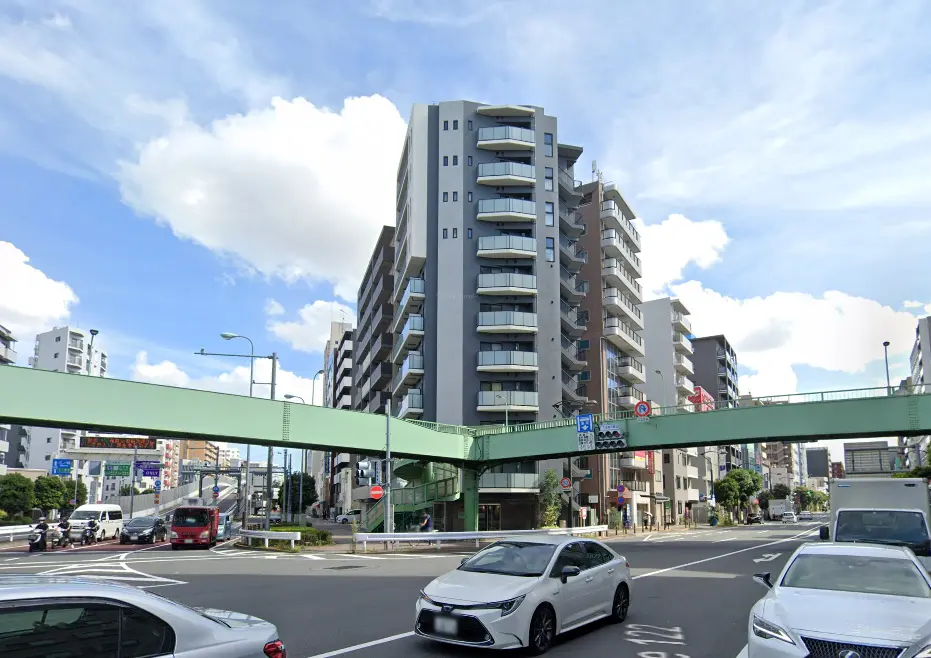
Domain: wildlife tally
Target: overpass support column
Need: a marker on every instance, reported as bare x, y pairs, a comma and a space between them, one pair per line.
470, 499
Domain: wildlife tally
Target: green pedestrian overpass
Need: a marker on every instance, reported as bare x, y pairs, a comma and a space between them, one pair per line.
51, 399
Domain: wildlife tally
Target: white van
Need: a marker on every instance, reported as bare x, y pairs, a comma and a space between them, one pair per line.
110, 518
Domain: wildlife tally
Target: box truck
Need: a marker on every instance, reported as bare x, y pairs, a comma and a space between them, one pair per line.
892, 511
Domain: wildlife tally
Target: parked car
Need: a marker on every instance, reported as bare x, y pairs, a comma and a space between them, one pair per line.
523, 592
789, 517
350, 516
48, 615
754, 518
805, 516
145, 530
844, 600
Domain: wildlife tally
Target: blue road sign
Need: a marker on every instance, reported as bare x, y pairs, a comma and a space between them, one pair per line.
620, 488
585, 423
158, 485
216, 490
61, 466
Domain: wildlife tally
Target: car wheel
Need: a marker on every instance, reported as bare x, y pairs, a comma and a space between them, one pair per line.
542, 630
621, 604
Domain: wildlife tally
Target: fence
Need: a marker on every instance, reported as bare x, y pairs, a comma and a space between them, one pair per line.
439, 537
144, 504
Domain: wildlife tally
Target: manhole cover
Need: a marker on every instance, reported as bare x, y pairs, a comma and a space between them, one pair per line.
346, 566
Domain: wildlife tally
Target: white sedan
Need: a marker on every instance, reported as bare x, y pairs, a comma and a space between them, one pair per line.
844, 600
522, 592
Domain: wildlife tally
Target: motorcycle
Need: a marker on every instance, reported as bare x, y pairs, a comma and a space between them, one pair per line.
37, 541
60, 538
88, 536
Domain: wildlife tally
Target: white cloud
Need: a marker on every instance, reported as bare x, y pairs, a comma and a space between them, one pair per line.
292, 190
235, 381
273, 307
311, 330
672, 245
919, 307
30, 301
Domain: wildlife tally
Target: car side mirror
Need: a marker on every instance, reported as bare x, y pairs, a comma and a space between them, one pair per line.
763, 579
824, 533
569, 572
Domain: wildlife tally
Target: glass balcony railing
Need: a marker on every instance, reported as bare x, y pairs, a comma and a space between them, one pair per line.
682, 340
681, 319
615, 210
414, 323
414, 287
507, 280
499, 133
509, 481
630, 362
684, 362
515, 169
614, 264
626, 392
507, 242
411, 402
507, 358
568, 181
571, 313
617, 323
507, 319
519, 206
508, 399
615, 296
570, 348
611, 234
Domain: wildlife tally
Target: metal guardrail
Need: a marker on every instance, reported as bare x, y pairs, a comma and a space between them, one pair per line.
12, 532
249, 535
439, 537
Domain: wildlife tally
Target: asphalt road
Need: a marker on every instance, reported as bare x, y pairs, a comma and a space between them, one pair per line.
690, 598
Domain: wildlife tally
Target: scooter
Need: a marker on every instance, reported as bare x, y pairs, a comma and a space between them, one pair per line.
37, 541
60, 538
89, 536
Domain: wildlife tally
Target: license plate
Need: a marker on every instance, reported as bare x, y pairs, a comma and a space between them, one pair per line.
446, 625
188, 541
134, 536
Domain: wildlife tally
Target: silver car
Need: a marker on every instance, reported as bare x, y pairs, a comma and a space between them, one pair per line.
41, 615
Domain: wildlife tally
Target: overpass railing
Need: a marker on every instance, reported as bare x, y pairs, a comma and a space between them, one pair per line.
439, 537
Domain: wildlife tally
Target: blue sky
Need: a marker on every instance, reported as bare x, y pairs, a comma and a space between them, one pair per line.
174, 166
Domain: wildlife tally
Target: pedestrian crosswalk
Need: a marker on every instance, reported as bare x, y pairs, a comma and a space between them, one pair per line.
245, 553
118, 571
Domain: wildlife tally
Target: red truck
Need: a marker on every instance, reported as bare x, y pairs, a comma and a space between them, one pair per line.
194, 525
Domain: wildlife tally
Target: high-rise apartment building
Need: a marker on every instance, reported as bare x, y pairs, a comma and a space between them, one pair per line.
486, 280
201, 451
7, 357
371, 369
667, 360
338, 467
715, 365
916, 447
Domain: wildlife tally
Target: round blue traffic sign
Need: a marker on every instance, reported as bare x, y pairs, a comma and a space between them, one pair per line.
216, 490
620, 488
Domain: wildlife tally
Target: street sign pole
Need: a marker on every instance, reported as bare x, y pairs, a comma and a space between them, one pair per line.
388, 523
132, 484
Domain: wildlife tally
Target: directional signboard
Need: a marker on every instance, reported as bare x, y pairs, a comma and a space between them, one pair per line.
149, 469
61, 466
117, 470
585, 423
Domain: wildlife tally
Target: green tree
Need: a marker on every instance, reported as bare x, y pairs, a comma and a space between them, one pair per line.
291, 489
67, 507
781, 492
727, 493
748, 482
764, 497
126, 490
17, 494
49, 493
805, 497
550, 499
919, 472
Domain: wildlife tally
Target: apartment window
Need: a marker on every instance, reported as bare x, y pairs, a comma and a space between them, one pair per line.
48, 458
470, 124
445, 160
455, 233
550, 250
470, 197
57, 339
548, 182
470, 230
455, 196
679, 504
444, 233
445, 197
446, 125
678, 482
455, 160
548, 144
666, 458
550, 214
48, 439
56, 355
469, 160
455, 124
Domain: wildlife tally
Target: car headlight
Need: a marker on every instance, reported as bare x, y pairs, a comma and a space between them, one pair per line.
424, 597
173, 535
204, 534
509, 606
768, 631
924, 653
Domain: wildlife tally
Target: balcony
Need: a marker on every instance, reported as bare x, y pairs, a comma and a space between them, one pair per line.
499, 174
7, 354
631, 460
76, 345
410, 373
571, 221
626, 396
570, 389
510, 401
571, 323
685, 385
571, 254
622, 335
614, 246
507, 322
681, 323
411, 404
682, 344
506, 138
507, 361
683, 365
411, 336
506, 246
411, 301
614, 274
636, 485
617, 302
613, 217
571, 356
506, 210
507, 283
505, 110
341, 460
631, 369
568, 185
528, 481
75, 361
571, 288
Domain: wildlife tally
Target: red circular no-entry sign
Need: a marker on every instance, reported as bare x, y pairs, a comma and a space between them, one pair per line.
376, 492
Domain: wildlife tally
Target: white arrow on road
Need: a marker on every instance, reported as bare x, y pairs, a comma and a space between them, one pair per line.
767, 557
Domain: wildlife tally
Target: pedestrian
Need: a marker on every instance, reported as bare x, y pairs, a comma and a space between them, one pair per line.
426, 522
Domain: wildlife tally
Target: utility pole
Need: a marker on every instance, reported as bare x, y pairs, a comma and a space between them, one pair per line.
271, 456
389, 515
132, 485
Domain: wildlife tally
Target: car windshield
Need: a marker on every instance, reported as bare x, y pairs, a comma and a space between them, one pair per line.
511, 559
857, 573
883, 527
191, 517
84, 515
141, 522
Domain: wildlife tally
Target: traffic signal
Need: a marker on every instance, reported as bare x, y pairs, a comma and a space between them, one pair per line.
365, 471
610, 438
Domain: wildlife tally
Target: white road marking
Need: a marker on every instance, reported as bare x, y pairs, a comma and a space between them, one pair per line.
744, 653
311, 556
364, 645
718, 541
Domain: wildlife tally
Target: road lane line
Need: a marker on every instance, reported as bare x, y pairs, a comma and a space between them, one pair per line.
744, 653
364, 645
718, 541
312, 557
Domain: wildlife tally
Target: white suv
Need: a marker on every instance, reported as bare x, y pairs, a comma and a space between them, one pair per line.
789, 517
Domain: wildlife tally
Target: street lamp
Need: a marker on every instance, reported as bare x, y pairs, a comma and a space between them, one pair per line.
506, 406
886, 354
294, 397
663, 380
230, 336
